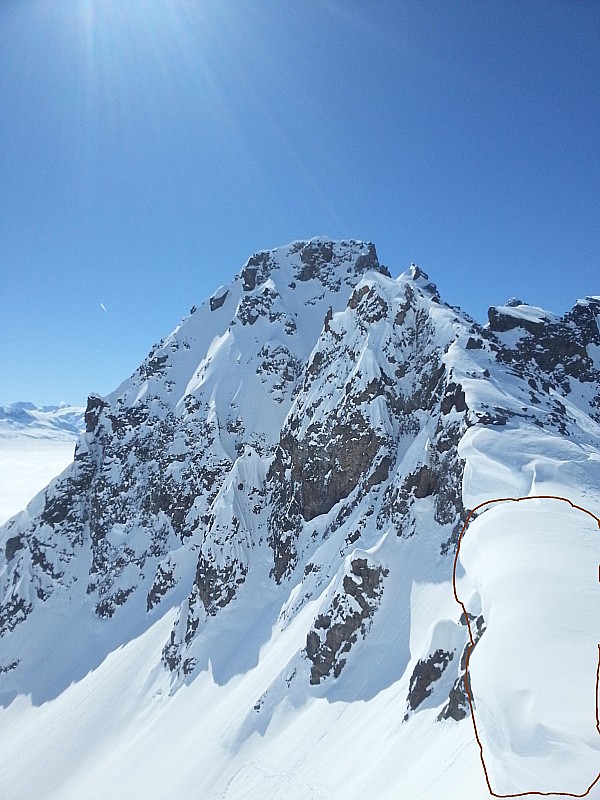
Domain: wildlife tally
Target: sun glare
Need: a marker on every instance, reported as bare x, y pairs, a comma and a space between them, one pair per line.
144, 56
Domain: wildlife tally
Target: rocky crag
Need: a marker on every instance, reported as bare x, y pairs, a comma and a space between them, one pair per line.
297, 453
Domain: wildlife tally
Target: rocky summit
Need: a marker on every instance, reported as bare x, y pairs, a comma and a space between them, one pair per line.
243, 582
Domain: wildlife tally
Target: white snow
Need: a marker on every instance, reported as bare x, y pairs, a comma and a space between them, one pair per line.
527, 312
534, 564
36, 444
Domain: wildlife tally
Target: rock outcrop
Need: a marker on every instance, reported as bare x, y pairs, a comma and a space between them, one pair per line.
294, 441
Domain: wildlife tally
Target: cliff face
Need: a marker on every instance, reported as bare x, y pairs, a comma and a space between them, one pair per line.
300, 453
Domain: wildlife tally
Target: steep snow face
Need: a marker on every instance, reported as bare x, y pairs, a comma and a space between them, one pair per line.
257, 535
364, 461
35, 445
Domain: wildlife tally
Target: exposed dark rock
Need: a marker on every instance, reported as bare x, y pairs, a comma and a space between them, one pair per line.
499, 416
448, 504
448, 438
357, 296
369, 261
254, 306
12, 545
217, 302
422, 279
155, 367
343, 622
217, 586
424, 482
13, 611
326, 478
107, 607
163, 582
285, 556
501, 322
379, 474
425, 674
66, 506
457, 707
319, 262
280, 368
257, 270
95, 405
374, 309
171, 656
312, 479
440, 479
312, 256
285, 521
249, 278
188, 666
558, 351
403, 310
454, 397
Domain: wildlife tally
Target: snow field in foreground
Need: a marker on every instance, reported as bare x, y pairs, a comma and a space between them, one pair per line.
533, 567
120, 732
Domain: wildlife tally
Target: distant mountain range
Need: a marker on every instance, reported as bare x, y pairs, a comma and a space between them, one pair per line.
242, 587
48, 421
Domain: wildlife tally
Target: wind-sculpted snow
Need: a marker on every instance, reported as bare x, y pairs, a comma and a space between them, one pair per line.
533, 698
267, 511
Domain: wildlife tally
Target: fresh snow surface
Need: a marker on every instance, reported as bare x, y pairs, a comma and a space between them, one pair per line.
119, 732
526, 312
532, 569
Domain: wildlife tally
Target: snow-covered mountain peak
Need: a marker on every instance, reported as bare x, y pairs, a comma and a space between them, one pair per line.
415, 275
328, 262
276, 304
558, 352
268, 510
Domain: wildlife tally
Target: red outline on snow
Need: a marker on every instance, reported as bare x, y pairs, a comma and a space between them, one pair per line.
472, 645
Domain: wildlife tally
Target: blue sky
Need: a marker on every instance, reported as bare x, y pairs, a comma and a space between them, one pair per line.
148, 147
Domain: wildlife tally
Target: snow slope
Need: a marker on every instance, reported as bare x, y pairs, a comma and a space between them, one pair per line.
532, 566
242, 587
